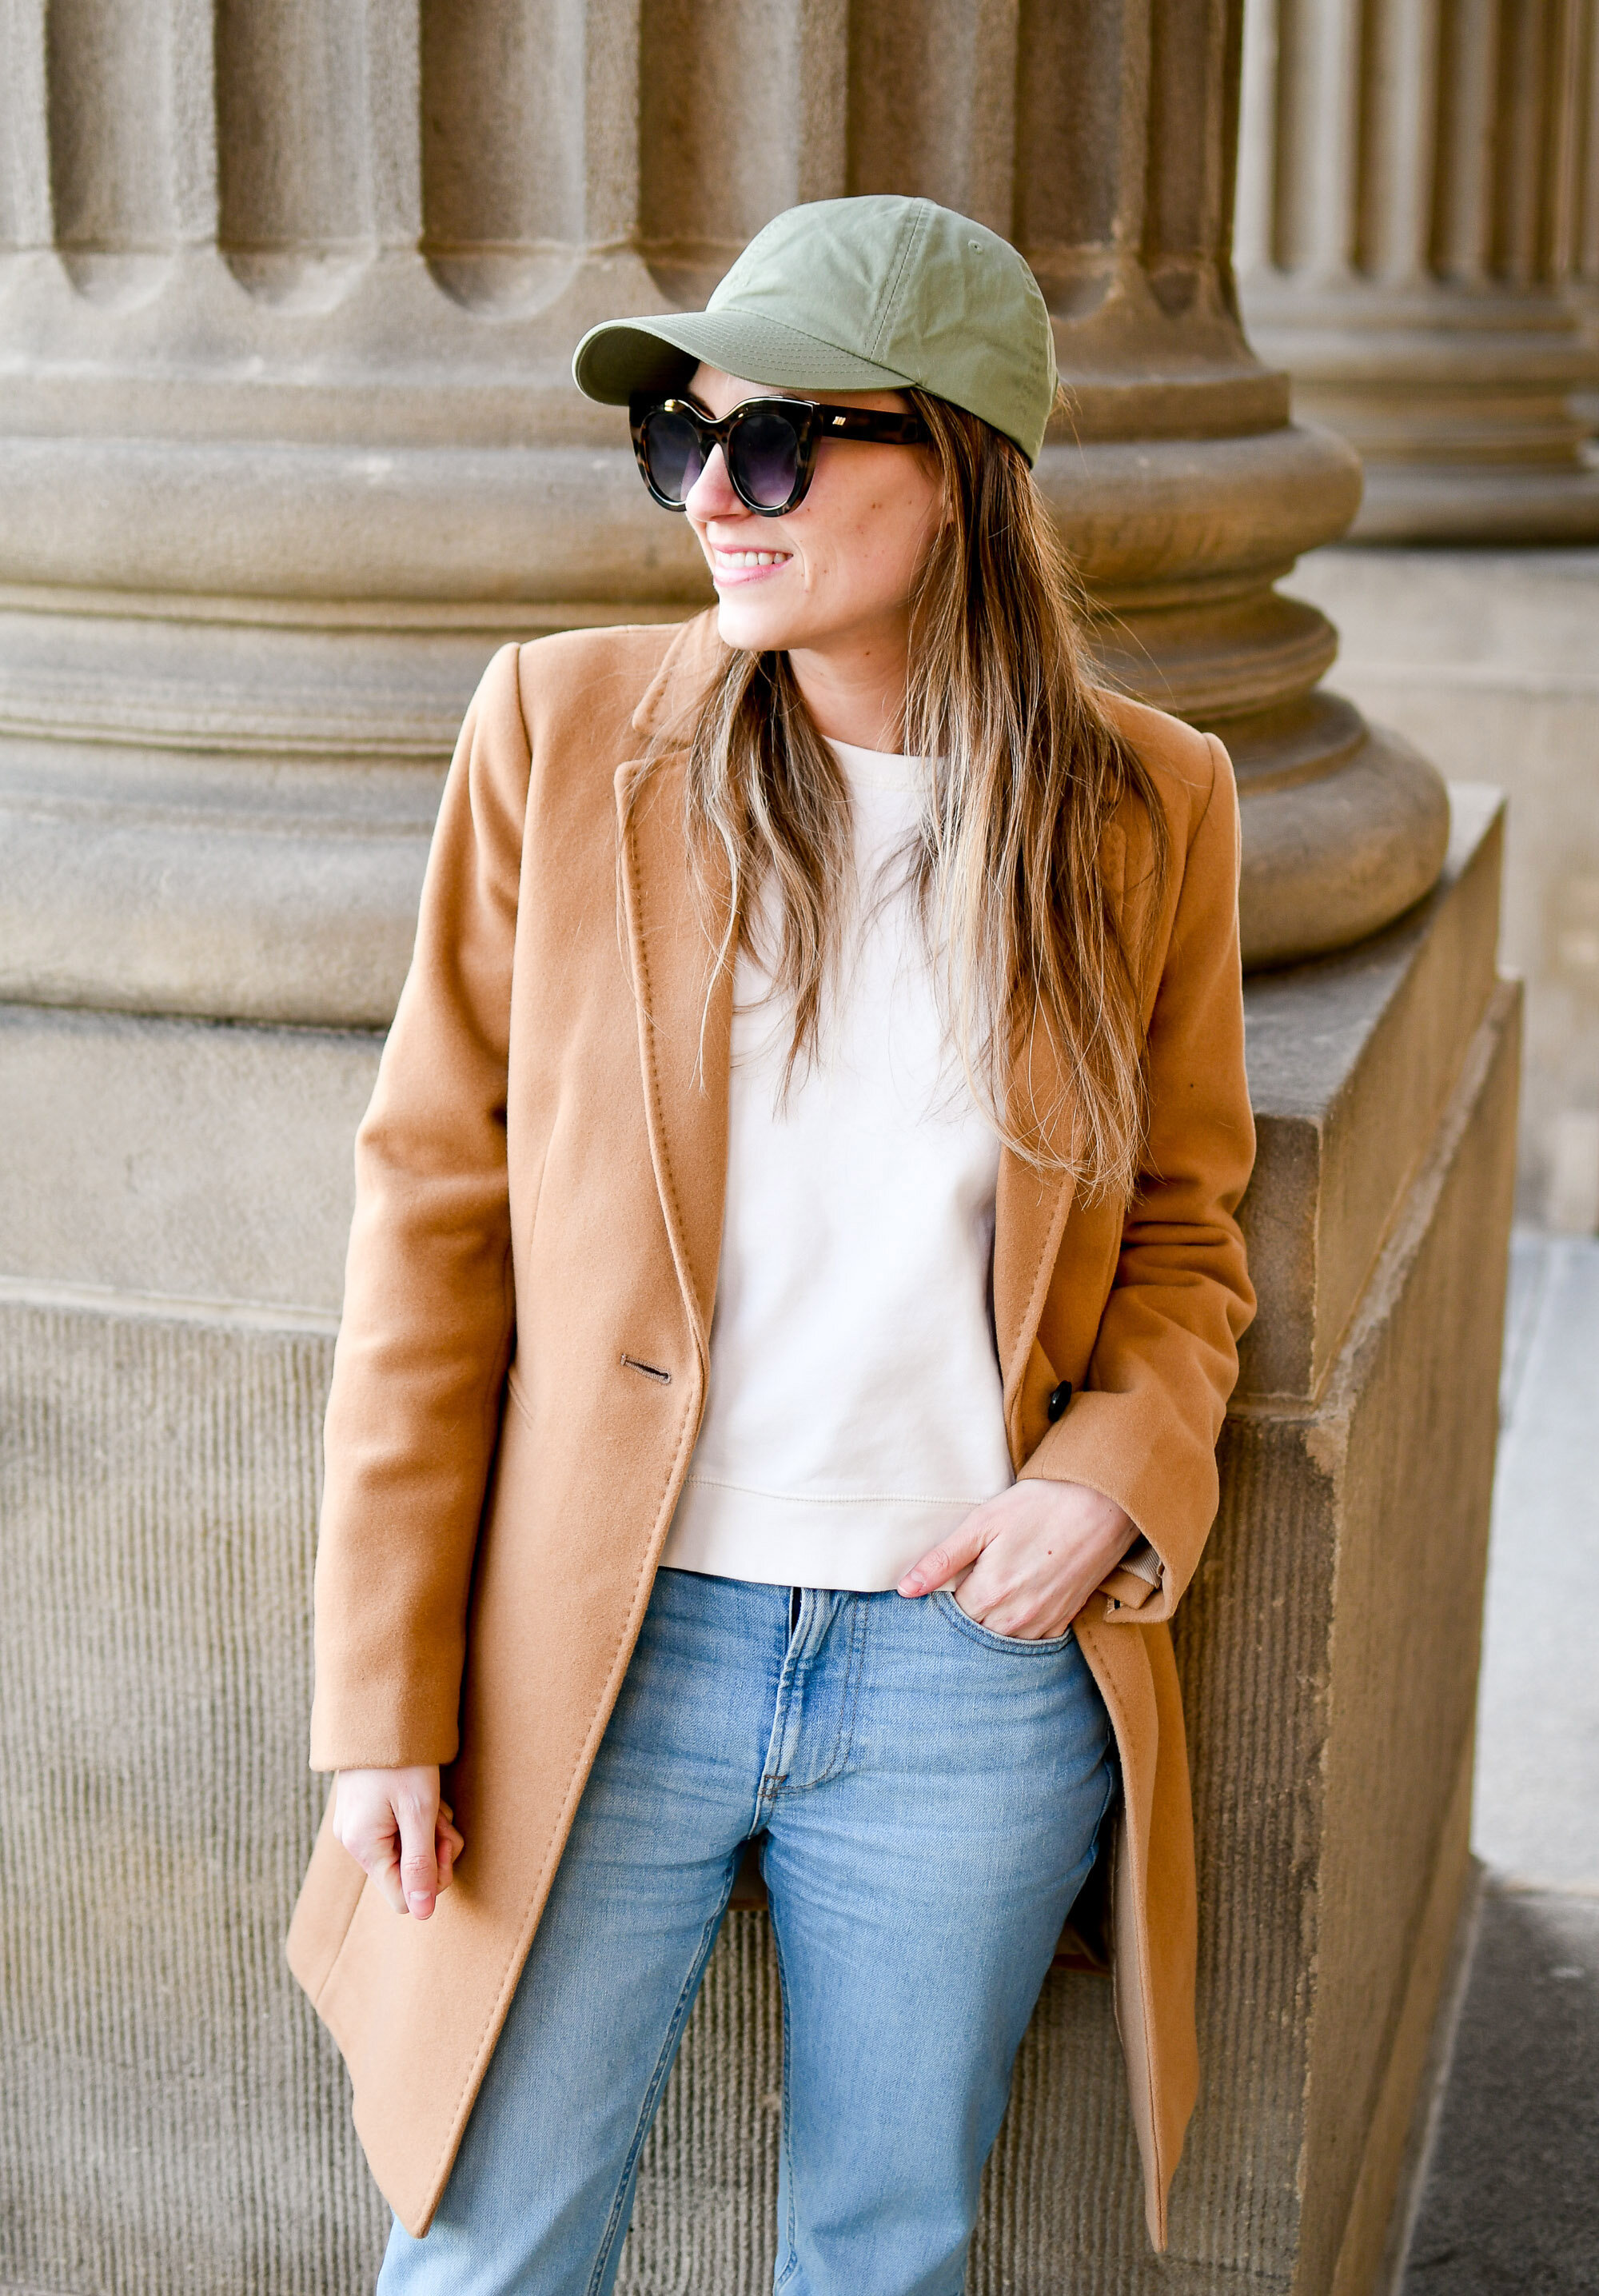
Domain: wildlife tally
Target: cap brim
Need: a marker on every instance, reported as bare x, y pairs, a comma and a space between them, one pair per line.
623, 357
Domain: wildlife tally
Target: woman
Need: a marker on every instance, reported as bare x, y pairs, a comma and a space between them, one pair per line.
792, 1299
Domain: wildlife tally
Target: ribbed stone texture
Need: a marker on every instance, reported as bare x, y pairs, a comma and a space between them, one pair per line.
1582, 287
174, 2117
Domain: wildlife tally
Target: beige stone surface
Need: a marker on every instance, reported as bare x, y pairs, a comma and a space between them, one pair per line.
179, 1159
1489, 660
1393, 1027
174, 2117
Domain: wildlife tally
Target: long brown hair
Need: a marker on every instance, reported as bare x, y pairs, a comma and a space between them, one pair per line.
1027, 770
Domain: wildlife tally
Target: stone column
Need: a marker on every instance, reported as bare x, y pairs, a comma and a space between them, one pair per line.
1404, 235
288, 290
1182, 485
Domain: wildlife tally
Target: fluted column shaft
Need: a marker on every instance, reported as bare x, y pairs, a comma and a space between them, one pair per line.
1409, 220
288, 295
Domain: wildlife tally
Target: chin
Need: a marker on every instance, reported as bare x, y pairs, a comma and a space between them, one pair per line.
755, 625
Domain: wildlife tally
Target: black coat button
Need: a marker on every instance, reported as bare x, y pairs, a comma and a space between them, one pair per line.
1059, 1398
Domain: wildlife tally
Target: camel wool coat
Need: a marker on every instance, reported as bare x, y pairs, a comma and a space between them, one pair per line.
539, 1196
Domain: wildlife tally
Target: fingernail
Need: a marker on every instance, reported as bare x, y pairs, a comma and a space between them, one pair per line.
911, 1585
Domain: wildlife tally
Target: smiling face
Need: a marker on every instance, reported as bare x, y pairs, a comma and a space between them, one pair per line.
831, 580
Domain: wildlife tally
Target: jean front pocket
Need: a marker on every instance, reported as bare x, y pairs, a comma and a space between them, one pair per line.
1015, 1645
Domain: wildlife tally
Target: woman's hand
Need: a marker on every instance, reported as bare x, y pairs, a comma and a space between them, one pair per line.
399, 1832
1027, 1560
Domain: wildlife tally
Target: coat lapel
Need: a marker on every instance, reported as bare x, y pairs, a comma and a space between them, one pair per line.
1032, 1209
684, 1009
1031, 1212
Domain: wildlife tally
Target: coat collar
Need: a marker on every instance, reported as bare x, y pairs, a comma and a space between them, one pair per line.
685, 671
686, 1025
684, 1009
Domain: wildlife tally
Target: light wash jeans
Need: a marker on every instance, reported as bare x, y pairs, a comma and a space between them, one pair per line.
927, 1797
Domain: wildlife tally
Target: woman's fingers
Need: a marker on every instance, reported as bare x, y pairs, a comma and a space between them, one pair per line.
1048, 1546
418, 1815
404, 1839
944, 1562
373, 1842
447, 1845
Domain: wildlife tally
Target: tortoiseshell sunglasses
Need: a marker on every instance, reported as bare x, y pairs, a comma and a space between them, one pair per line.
768, 445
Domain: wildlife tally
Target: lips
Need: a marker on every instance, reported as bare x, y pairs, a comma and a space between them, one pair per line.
732, 568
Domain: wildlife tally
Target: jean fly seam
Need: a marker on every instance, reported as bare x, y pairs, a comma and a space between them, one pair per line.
849, 1700
668, 2049
773, 1772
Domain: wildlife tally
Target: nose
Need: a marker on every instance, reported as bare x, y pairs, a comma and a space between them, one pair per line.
712, 494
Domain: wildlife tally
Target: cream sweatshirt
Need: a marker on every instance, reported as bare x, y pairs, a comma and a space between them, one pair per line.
855, 1411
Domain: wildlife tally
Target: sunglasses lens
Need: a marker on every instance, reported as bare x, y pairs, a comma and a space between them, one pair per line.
764, 459
672, 451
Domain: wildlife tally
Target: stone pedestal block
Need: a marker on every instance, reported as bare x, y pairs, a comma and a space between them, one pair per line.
175, 2119
189, 1163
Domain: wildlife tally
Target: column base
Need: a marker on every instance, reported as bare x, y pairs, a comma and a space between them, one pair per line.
1458, 401
1332, 857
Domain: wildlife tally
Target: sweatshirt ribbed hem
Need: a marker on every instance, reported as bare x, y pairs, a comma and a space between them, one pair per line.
861, 1546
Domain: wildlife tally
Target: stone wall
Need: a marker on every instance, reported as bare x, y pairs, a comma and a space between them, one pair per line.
174, 2117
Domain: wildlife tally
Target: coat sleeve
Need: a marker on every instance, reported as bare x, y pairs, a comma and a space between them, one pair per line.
1145, 1426
414, 1413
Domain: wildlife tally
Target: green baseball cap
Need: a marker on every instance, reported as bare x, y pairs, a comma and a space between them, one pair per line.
874, 293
